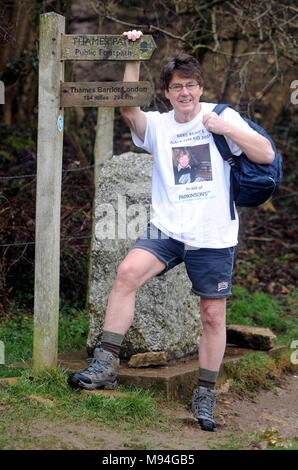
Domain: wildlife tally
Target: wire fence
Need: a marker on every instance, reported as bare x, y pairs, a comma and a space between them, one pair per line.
34, 175
7, 245
33, 243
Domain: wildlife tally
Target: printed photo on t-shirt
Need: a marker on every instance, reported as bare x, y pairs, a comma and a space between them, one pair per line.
192, 164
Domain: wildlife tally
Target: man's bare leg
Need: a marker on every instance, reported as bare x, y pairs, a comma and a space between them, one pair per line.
213, 340
137, 267
211, 350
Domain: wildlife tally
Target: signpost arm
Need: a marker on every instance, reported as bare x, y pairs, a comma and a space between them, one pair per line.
48, 193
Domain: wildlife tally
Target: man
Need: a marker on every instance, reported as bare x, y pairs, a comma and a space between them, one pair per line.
189, 224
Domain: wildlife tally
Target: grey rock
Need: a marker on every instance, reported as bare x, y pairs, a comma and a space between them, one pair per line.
167, 313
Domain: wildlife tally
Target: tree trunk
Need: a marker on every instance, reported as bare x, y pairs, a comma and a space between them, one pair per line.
20, 90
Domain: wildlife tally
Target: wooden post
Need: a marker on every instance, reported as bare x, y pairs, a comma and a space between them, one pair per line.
2, 92
48, 193
2, 352
103, 148
104, 137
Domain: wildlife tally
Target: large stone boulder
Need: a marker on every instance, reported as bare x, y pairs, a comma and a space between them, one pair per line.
167, 313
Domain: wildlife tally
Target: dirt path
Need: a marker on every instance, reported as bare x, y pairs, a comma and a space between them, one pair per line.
238, 419
276, 409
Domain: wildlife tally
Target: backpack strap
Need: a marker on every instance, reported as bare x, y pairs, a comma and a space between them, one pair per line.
226, 154
220, 140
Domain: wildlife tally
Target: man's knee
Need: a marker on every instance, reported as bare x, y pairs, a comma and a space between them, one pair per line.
213, 312
127, 275
138, 267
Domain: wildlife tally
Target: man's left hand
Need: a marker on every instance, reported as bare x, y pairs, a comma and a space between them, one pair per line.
214, 123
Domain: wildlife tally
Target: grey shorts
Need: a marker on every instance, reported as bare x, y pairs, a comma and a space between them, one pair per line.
209, 269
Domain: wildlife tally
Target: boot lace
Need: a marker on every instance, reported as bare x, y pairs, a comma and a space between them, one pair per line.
203, 404
95, 366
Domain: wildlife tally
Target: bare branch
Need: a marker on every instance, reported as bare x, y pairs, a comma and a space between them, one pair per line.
125, 23
208, 6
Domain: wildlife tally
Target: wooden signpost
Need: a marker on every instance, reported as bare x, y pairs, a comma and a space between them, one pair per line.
53, 95
105, 94
103, 47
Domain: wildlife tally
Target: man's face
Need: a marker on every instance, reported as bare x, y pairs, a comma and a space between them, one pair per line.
186, 102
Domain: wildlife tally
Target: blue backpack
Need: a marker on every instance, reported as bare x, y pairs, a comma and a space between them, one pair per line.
251, 184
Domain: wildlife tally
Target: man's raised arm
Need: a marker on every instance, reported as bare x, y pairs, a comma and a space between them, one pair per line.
134, 117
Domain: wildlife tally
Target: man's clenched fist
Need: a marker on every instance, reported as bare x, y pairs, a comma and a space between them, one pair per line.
133, 35
214, 123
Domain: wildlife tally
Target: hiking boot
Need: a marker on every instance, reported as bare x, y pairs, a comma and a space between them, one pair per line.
203, 402
101, 373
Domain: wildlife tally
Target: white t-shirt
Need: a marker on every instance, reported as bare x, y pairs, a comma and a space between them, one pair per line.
194, 208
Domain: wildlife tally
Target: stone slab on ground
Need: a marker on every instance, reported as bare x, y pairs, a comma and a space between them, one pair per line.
175, 381
252, 337
158, 358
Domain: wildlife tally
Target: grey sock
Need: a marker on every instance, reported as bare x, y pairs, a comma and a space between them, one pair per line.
207, 378
111, 342
110, 337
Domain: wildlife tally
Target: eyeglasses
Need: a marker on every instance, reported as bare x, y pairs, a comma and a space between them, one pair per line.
176, 87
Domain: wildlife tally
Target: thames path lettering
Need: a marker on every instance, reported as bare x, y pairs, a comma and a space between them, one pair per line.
100, 47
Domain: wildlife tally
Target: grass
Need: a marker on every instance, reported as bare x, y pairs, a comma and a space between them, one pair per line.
255, 309
254, 371
234, 442
16, 332
52, 396
290, 312
10, 371
276, 442
271, 440
48, 398
293, 445
264, 310
35, 406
